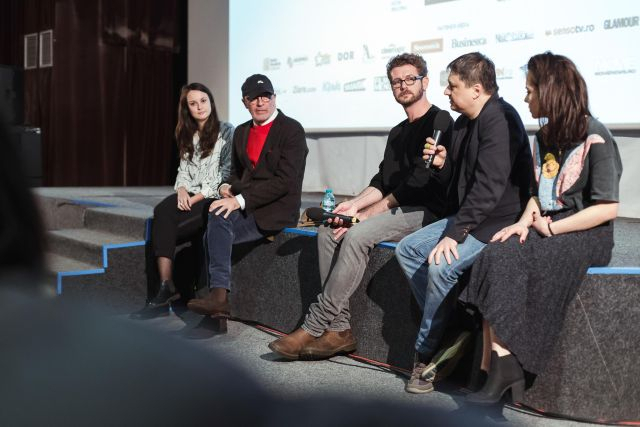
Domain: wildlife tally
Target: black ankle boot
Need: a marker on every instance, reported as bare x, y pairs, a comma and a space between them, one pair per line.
477, 381
166, 294
504, 373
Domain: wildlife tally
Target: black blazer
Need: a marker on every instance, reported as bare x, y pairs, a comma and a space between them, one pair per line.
272, 190
491, 159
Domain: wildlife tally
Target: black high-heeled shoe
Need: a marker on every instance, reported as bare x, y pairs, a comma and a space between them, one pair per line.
505, 373
166, 295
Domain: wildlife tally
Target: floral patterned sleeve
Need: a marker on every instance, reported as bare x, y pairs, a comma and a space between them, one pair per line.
183, 179
219, 163
225, 159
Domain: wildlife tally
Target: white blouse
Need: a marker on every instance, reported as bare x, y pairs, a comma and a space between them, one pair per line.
204, 176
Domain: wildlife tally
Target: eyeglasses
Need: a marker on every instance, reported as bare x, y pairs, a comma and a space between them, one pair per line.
409, 81
265, 99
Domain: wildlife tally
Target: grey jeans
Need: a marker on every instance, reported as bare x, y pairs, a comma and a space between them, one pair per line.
342, 263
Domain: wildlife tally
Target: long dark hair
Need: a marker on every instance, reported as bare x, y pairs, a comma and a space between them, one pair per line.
562, 98
187, 126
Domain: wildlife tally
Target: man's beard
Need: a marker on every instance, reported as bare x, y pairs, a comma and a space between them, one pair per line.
405, 102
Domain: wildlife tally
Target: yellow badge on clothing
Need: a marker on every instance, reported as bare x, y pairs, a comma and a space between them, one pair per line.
550, 167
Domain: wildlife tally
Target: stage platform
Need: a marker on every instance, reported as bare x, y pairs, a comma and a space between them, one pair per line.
96, 241
90, 229
124, 209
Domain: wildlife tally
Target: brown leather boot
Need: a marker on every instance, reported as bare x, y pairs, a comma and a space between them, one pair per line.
329, 344
215, 304
289, 346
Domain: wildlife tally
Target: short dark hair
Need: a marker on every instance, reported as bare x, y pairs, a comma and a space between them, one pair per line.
407, 58
474, 68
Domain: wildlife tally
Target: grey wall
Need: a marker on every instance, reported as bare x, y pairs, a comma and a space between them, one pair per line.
208, 49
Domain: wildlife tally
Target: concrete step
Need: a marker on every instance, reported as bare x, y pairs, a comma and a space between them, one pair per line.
626, 238
84, 245
60, 213
59, 267
119, 289
121, 221
57, 263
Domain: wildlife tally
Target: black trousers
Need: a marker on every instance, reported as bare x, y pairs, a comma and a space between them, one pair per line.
170, 229
172, 226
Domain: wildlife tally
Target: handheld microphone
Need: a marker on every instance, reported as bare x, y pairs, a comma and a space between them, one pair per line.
440, 124
319, 215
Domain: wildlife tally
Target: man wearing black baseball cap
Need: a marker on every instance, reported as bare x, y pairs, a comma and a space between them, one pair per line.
262, 195
256, 85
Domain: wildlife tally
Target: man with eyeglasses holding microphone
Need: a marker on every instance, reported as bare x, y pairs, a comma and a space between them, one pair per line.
404, 196
263, 193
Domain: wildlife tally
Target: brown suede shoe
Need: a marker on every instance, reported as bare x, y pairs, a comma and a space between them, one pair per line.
329, 344
215, 304
289, 346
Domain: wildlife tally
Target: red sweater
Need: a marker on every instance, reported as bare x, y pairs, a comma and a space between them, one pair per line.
255, 142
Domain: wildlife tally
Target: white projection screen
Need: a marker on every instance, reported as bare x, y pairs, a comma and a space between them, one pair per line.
327, 58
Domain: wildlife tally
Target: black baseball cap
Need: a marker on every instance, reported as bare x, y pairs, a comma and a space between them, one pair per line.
256, 85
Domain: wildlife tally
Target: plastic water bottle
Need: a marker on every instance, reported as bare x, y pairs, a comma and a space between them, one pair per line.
328, 201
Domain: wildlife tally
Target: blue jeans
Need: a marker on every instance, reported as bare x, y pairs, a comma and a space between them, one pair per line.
219, 239
432, 283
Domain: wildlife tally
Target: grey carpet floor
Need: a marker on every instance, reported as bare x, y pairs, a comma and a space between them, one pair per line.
247, 346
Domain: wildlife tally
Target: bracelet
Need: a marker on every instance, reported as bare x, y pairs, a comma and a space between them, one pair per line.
551, 233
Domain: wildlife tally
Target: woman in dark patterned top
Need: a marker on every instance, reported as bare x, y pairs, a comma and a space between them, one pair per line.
526, 278
204, 145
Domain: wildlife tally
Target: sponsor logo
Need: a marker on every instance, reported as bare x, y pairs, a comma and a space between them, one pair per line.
629, 21
427, 46
331, 86
468, 42
398, 6
444, 78
457, 26
297, 60
270, 64
504, 73
574, 29
303, 89
366, 55
615, 66
391, 50
513, 36
354, 86
430, 2
381, 84
347, 55
322, 59
615, 72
